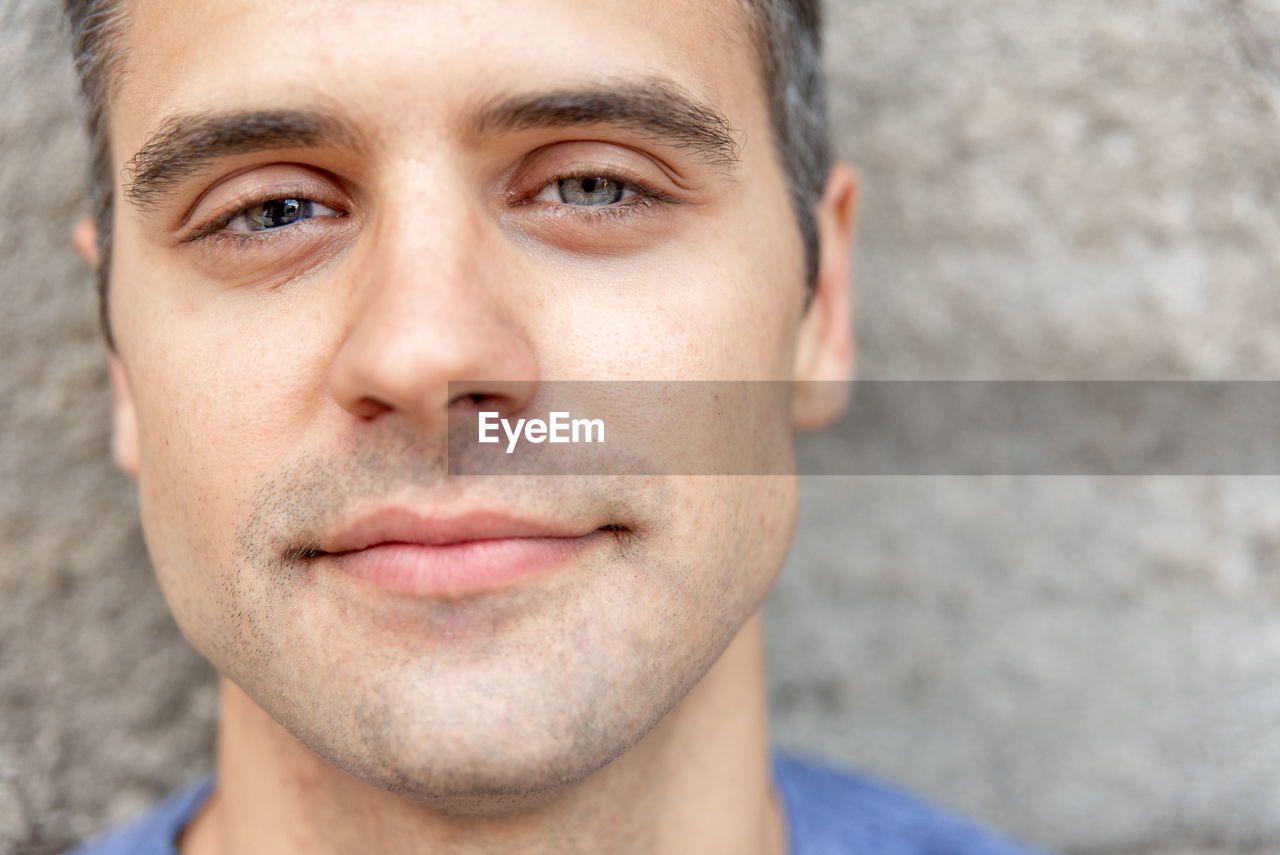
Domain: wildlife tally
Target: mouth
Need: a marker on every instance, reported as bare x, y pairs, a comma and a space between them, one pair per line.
404, 551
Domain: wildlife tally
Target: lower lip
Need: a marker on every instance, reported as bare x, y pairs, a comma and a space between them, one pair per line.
452, 569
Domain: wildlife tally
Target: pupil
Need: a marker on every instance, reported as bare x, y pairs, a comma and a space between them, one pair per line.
595, 191
281, 212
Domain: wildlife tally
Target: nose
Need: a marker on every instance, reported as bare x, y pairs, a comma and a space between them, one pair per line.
433, 323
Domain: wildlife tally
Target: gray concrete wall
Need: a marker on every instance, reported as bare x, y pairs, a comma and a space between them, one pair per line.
1086, 189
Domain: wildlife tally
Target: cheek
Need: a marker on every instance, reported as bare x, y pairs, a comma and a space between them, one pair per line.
676, 315
215, 417
736, 532
216, 409
230, 384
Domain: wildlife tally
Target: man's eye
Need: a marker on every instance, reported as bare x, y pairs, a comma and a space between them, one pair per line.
276, 213
585, 191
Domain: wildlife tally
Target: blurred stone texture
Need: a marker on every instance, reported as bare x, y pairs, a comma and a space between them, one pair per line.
1050, 190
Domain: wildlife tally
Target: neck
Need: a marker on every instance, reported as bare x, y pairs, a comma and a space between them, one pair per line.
700, 781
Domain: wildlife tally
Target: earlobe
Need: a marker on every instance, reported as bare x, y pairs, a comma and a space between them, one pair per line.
124, 434
825, 351
84, 238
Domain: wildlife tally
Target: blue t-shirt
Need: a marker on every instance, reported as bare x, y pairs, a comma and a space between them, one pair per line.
828, 812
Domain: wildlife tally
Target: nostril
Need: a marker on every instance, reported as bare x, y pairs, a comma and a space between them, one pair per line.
369, 408
474, 400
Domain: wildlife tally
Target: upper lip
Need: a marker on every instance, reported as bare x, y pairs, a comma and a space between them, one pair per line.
406, 525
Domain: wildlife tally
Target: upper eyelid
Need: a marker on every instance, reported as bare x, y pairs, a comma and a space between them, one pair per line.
524, 192
271, 181
574, 157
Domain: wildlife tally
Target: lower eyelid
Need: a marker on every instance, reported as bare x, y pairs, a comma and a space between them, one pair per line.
636, 206
280, 238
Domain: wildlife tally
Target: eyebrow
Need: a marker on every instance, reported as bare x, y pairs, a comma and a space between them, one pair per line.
183, 145
653, 107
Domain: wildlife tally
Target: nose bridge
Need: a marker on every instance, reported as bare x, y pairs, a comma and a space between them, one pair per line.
428, 304
423, 261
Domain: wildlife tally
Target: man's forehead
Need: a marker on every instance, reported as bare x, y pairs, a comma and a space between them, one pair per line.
408, 60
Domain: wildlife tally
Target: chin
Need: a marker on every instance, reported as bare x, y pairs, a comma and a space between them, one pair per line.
486, 788
487, 770
482, 746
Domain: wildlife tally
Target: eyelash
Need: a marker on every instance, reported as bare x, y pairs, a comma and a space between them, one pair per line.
214, 230
645, 197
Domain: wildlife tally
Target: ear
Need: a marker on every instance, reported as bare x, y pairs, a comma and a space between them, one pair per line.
84, 237
824, 360
124, 434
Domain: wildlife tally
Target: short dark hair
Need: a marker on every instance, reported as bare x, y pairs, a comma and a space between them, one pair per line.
787, 33
96, 31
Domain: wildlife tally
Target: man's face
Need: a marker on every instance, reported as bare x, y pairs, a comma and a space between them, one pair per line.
383, 197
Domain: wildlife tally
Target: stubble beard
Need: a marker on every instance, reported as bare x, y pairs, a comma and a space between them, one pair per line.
475, 704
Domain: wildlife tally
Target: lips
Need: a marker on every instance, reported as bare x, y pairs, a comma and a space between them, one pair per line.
408, 552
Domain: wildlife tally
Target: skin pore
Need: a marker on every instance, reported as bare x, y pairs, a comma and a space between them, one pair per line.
330, 210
